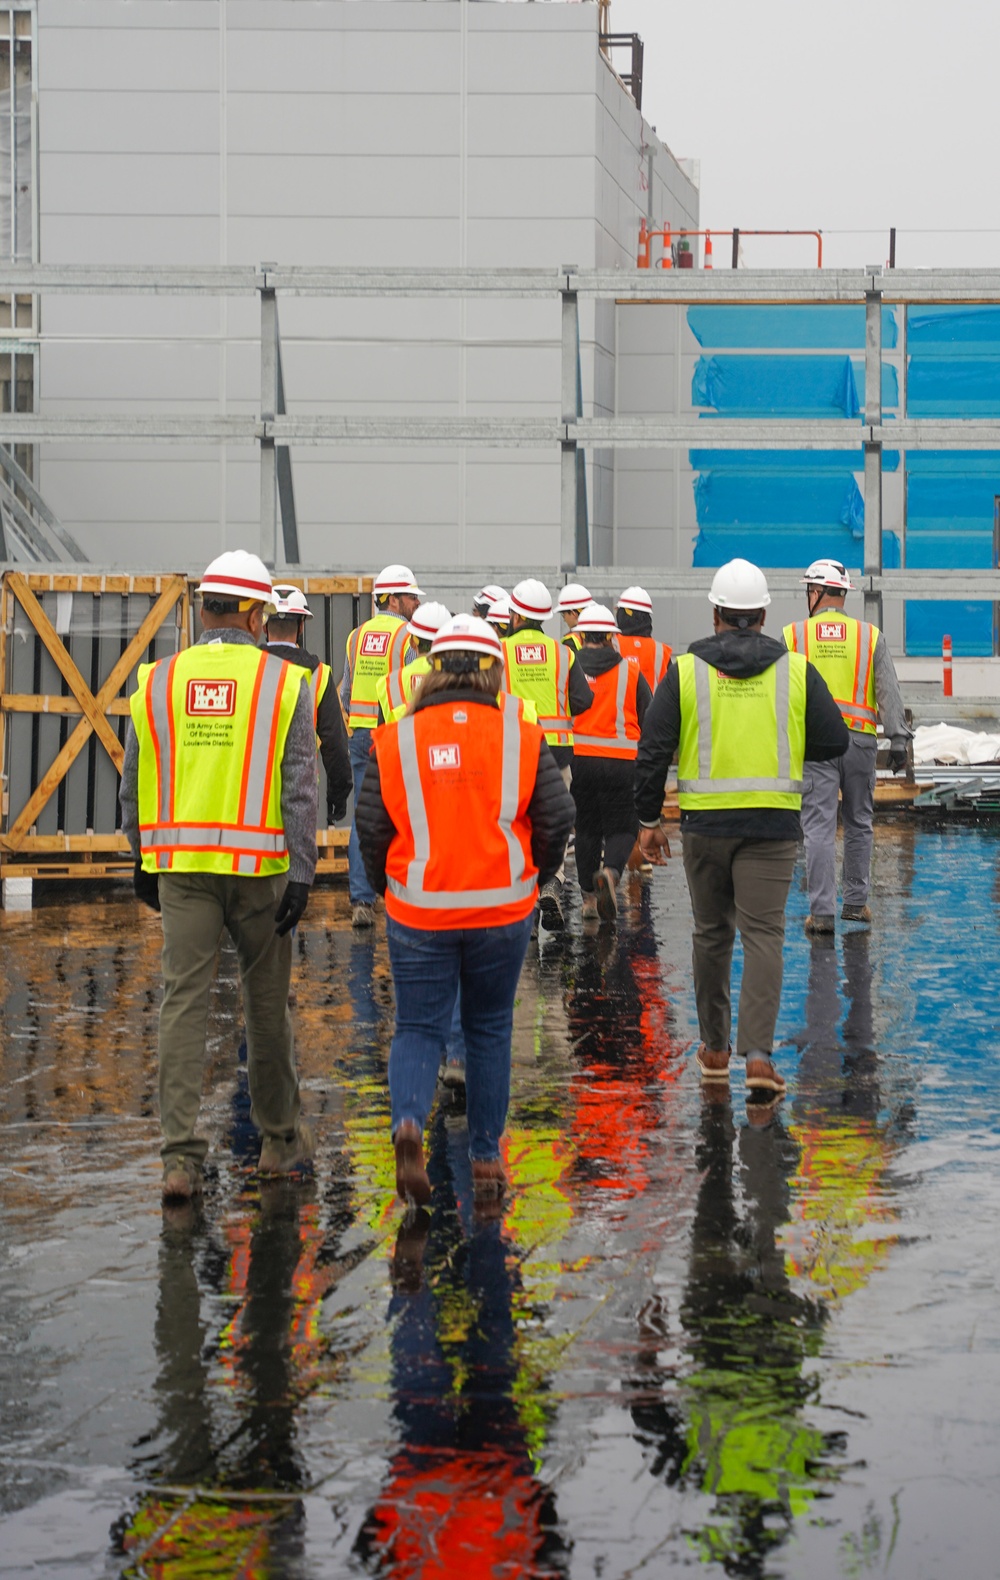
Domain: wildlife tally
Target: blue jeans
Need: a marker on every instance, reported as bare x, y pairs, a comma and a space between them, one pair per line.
362, 893
427, 969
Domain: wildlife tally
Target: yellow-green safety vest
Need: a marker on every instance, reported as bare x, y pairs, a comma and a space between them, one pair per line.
742, 741
374, 649
211, 723
395, 689
319, 679
843, 650
572, 640
537, 670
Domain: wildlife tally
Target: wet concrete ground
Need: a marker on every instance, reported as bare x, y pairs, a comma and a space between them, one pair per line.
695, 1338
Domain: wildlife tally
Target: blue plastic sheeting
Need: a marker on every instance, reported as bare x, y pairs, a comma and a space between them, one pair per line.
787, 547
751, 498
947, 328
970, 626
787, 328
779, 386
967, 386
777, 462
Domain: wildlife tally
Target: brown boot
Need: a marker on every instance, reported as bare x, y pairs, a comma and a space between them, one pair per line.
713, 1063
762, 1075
412, 1183
488, 1177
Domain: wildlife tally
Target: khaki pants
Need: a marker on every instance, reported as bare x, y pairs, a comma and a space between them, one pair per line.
738, 883
196, 908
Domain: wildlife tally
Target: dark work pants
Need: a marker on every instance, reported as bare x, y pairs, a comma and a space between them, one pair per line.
738, 883
606, 820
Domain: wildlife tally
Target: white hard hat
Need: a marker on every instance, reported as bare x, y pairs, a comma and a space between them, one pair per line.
466, 633
290, 600
531, 600
828, 573
574, 596
596, 617
238, 575
739, 585
635, 598
396, 579
499, 611
427, 620
489, 594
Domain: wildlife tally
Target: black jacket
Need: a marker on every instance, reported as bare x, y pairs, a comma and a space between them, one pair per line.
738, 653
594, 660
550, 811
580, 696
330, 728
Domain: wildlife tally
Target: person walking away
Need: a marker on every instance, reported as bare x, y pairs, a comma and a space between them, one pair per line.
396, 686
499, 616
571, 600
604, 753
854, 659
635, 640
540, 670
374, 648
743, 714
218, 799
462, 813
285, 629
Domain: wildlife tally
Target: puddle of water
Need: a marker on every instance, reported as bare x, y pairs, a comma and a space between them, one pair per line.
757, 1343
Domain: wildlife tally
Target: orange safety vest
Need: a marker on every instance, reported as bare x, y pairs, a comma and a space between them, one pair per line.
843, 650
653, 657
611, 722
456, 781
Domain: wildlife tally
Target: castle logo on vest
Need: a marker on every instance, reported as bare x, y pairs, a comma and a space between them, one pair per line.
375, 644
211, 698
529, 652
445, 757
831, 631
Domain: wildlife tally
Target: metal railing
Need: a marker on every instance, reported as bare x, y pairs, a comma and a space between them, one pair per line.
631, 79
871, 287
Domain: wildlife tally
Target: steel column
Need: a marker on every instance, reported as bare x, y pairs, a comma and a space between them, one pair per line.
873, 449
269, 546
570, 413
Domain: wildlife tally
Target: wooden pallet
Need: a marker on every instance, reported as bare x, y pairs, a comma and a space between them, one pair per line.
82, 856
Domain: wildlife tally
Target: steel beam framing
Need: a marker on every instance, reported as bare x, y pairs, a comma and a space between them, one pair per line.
274, 431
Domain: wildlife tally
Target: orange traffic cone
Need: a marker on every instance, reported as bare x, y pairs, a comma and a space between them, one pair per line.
708, 250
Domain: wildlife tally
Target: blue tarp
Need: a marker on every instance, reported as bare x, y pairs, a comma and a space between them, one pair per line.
970, 626
786, 547
779, 386
787, 328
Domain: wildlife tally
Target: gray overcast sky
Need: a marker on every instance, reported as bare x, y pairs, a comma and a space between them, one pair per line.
846, 116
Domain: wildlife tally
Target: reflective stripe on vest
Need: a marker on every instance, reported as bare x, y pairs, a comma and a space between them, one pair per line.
652, 657
367, 668
403, 683
620, 743
413, 891
248, 836
319, 679
783, 711
849, 672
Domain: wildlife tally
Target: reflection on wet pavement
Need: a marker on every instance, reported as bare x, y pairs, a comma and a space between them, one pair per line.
753, 1340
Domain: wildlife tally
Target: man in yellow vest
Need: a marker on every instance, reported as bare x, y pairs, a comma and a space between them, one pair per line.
854, 659
743, 714
541, 670
218, 800
376, 648
285, 629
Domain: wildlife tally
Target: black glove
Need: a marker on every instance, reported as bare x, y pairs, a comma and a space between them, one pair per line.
146, 886
291, 908
897, 758
335, 814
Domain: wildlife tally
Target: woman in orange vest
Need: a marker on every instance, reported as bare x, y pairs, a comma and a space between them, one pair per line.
462, 814
604, 752
636, 640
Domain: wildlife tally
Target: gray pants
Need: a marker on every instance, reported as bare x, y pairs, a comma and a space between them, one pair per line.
738, 883
852, 777
196, 908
